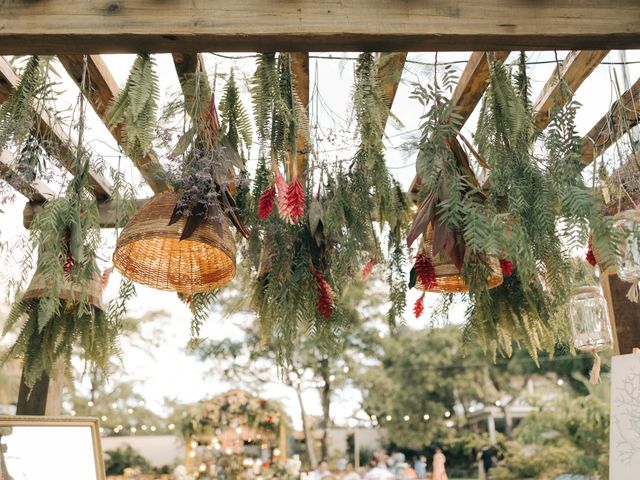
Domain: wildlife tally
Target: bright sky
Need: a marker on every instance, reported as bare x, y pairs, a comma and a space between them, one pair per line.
167, 371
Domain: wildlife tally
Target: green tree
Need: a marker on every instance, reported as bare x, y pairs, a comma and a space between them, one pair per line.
252, 359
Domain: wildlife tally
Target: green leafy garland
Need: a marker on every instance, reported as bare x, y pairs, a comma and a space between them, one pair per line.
304, 266
136, 106
533, 212
64, 311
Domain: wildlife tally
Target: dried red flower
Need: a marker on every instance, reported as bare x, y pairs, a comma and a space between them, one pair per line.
418, 308
325, 302
591, 258
368, 268
295, 201
507, 267
266, 202
425, 271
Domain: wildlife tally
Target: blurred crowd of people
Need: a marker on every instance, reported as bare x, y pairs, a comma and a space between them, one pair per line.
387, 467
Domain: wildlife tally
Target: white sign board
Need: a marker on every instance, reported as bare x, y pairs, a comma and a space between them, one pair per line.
624, 447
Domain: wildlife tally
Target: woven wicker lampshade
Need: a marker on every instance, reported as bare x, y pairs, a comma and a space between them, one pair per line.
149, 251
68, 291
448, 278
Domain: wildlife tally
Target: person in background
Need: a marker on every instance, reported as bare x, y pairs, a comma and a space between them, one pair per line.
420, 466
349, 474
439, 470
404, 471
378, 471
321, 472
487, 457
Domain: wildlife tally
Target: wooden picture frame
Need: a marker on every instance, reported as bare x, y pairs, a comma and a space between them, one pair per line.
71, 422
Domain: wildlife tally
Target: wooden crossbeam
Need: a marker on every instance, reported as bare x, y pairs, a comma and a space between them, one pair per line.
103, 88
60, 144
574, 70
468, 91
390, 67
109, 213
622, 116
116, 26
300, 73
36, 191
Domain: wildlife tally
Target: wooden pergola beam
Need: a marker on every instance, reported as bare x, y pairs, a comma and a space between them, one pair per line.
109, 213
114, 26
390, 68
300, 74
573, 71
469, 91
36, 191
103, 88
621, 117
60, 144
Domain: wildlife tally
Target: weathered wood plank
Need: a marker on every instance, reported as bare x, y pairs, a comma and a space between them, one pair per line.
300, 73
574, 70
36, 191
60, 144
45, 397
110, 216
116, 26
468, 91
103, 88
623, 115
390, 68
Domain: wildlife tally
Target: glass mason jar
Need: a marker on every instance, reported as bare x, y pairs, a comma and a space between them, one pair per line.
628, 223
589, 320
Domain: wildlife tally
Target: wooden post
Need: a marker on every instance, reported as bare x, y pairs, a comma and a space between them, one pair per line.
45, 398
300, 73
282, 443
624, 314
356, 450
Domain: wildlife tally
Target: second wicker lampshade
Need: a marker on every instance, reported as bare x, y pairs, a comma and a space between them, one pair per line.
449, 279
149, 251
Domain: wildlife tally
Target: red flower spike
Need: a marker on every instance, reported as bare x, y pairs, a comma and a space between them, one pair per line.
68, 264
104, 279
266, 202
325, 303
281, 188
418, 308
507, 267
294, 200
367, 269
591, 258
425, 271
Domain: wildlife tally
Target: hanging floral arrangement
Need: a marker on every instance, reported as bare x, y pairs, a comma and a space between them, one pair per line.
313, 232
530, 214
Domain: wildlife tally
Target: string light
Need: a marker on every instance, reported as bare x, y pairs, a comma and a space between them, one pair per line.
425, 416
332, 378
153, 428
498, 403
407, 418
103, 418
134, 429
72, 413
388, 418
114, 405
447, 414
345, 369
90, 403
171, 426
129, 411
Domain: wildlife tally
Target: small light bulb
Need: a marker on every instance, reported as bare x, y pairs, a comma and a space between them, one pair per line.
388, 418
406, 418
426, 416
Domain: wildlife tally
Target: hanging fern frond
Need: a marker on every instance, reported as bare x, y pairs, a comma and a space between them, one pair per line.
236, 124
135, 107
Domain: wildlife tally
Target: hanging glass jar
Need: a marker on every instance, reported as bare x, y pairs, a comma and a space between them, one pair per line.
628, 224
590, 325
